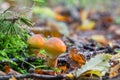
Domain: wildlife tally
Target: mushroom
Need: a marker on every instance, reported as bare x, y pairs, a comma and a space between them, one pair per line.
36, 42
54, 47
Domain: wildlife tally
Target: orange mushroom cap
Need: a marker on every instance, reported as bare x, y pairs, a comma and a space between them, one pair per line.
54, 47
36, 41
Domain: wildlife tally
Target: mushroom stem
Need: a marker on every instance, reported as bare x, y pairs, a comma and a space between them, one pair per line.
52, 62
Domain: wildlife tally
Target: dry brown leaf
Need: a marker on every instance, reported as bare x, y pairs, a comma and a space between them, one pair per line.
108, 19
78, 58
7, 69
39, 71
114, 71
59, 17
63, 68
46, 72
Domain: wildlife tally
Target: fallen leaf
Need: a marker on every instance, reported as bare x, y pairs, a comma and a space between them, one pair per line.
115, 57
46, 72
12, 78
100, 39
99, 63
63, 68
8, 69
77, 57
70, 76
59, 17
91, 73
115, 67
114, 71
87, 25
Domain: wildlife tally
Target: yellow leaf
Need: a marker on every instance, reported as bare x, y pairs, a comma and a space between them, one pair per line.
100, 39
70, 76
92, 72
114, 71
87, 25
12, 78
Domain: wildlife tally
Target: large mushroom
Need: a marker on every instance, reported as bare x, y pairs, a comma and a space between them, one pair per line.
54, 47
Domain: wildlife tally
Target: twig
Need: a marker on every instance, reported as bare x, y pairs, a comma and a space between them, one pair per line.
34, 75
5, 10
101, 51
71, 40
11, 19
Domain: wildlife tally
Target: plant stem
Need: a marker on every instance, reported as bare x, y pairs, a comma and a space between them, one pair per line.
29, 64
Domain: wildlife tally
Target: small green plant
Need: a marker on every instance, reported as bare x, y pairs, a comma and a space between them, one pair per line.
13, 38
13, 44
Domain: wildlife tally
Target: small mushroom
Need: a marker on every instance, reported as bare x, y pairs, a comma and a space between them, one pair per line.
36, 42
